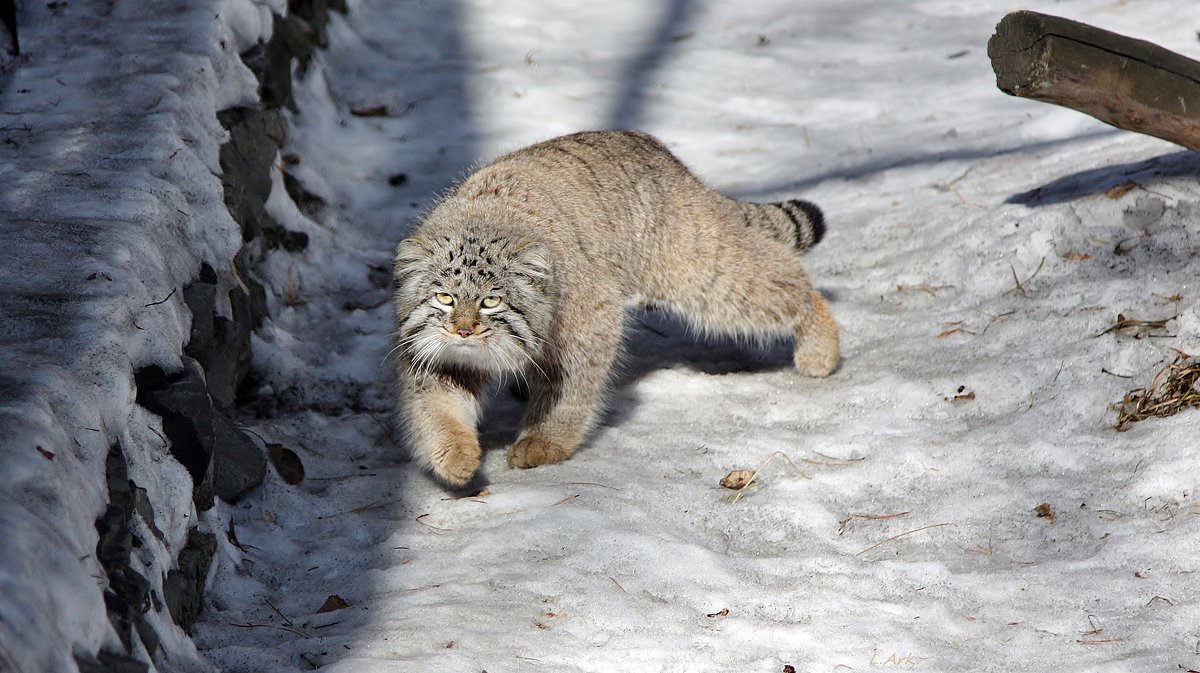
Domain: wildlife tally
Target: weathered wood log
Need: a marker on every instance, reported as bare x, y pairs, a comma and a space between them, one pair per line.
1128, 83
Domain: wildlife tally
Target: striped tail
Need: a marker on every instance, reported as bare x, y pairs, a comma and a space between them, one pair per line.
808, 220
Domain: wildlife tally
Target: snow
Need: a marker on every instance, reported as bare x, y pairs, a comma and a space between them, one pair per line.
914, 543
971, 249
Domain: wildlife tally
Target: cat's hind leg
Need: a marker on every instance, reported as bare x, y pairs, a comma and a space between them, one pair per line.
817, 346
756, 289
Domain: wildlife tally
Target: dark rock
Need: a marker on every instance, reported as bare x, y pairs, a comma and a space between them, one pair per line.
109, 662
221, 345
183, 403
256, 294
145, 509
294, 37
316, 14
238, 464
310, 204
8, 14
183, 589
271, 64
219, 456
255, 135
127, 597
201, 300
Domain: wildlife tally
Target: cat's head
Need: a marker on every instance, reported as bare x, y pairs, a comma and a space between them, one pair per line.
473, 301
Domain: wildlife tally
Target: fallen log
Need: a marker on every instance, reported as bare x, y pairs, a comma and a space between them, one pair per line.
1128, 83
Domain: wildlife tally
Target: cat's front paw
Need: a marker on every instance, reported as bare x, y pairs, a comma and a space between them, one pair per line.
533, 451
455, 464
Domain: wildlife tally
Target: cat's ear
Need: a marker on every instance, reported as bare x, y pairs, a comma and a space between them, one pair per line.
535, 261
411, 254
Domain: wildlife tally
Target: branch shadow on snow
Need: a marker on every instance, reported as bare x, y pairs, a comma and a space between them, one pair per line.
904, 159
1099, 180
628, 111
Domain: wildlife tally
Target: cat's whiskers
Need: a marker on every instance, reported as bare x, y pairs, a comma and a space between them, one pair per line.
530, 357
426, 354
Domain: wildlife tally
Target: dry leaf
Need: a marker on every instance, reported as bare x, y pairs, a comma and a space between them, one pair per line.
1120, 190
286, 463
48, 455
372, 111
723, 613
737, 479
334, 602
1044, 512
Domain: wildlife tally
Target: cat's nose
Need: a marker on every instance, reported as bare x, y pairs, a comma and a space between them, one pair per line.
464, 332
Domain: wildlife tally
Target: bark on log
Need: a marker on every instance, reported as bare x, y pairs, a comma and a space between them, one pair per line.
1128, 83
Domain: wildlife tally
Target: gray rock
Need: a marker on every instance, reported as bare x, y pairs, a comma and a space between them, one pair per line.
109, 662
127, 596
238, 464
182, 401
184, 587
255, 135
220, 457
221, 345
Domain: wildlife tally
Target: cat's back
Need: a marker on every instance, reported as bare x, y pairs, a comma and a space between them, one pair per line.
600, 199
607, 173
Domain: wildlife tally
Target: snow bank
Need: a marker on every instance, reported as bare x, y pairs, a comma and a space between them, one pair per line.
110, 203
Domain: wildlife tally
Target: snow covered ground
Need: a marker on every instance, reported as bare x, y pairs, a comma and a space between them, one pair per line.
974, 259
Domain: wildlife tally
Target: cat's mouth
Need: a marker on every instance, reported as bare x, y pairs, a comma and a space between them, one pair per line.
473, 339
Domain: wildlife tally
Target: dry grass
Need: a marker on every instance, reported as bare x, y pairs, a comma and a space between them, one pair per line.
1172, 390
904, 534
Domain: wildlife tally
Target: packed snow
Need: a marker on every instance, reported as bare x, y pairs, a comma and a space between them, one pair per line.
954, 497
974, 260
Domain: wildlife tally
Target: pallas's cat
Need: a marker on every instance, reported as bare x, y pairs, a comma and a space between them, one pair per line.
529, 265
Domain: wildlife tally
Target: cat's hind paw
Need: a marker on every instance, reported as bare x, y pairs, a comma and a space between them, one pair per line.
534, 451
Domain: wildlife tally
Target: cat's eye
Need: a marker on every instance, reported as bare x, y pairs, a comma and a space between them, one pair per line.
444, 299
490, 301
